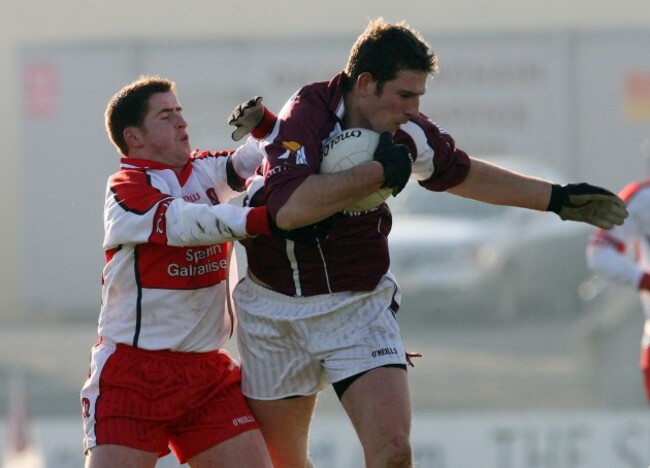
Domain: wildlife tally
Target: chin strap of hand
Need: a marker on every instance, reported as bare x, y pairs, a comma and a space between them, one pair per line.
588, 204
396, 160
251, 117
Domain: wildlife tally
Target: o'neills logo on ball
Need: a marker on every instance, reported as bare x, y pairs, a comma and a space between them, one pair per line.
344, 135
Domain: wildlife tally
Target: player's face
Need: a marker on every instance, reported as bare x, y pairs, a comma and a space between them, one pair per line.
397, 103
164, 131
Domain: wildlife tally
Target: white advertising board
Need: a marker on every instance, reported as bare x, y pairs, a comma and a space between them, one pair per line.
517, 440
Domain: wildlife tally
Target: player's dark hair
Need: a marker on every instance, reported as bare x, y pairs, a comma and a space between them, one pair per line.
129, 106
384, 49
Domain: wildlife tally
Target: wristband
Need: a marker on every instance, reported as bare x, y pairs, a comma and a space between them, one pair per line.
265, 125
257, 221
557, 199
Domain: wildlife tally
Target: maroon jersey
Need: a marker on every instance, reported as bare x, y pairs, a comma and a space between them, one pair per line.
355, 255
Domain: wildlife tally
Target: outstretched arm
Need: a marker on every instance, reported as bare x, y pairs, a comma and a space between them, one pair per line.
493, 184
575, 202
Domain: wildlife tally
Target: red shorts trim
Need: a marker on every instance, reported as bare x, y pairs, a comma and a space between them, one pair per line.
157, 400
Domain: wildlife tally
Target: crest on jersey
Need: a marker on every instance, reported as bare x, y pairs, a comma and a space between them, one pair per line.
212, 195
85, 408
295, 150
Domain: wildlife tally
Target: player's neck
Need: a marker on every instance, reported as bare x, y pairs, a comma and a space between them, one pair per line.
353, 117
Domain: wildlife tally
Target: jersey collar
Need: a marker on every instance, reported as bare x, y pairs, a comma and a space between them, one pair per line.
132, 163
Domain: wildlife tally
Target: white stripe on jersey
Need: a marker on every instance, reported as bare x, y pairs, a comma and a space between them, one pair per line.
327, 276
422, 166
291, 255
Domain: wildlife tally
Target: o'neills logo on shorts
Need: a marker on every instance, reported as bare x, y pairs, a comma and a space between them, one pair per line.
243, 420
384, 352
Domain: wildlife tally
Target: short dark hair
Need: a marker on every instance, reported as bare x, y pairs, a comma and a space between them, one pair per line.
384, 49
129, 106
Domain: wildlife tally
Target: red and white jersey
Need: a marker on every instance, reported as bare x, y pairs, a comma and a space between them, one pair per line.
166, 239
622, 254
355, 255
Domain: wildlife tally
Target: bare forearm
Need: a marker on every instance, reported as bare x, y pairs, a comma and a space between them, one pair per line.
322, 195
493, 184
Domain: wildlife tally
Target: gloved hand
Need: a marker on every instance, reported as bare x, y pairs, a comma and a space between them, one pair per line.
310, 235
588, 204
246, 116
396, 160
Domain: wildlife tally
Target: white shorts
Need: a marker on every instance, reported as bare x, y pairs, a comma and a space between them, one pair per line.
295, 345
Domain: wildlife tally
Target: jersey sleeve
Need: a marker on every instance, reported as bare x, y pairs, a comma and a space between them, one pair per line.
614, 254
137, 212
247, 159
189, 224
229, 171
438, 164
610, 258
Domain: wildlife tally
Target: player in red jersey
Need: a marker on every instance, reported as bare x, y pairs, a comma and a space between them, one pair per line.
319, 312
159, 378
622, 255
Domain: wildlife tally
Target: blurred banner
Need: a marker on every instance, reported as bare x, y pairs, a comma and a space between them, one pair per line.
541, 96
497, 440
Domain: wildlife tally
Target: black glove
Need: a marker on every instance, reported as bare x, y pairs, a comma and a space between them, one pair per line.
246, 116
588, 204
396, 160
307, 235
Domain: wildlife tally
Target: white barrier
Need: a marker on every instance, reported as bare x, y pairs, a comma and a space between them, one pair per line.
485, 440
518, 440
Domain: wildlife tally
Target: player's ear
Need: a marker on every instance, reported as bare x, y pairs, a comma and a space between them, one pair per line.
365, 84
133, 137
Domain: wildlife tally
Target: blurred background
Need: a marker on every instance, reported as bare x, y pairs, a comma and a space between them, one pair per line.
528, 361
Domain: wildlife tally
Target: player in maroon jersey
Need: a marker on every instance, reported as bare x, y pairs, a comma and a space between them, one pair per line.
319, 312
